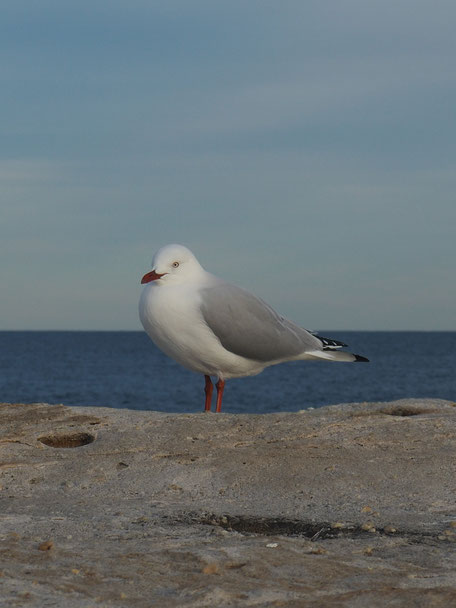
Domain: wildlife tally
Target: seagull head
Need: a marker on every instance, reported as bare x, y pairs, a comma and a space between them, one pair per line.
173, 263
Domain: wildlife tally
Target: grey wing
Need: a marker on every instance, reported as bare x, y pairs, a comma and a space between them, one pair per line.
247, 326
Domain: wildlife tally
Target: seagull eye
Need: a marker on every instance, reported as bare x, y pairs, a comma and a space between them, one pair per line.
175, 264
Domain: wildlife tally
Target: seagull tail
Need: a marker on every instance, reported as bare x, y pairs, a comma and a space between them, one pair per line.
328, 354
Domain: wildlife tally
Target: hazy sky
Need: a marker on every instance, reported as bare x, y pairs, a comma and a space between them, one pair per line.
303, 149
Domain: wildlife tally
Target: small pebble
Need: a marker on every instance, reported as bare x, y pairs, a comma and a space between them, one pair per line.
390, 529
210, 569
318, 551
47, 545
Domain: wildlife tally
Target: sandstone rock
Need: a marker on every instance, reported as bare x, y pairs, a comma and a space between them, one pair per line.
349, 505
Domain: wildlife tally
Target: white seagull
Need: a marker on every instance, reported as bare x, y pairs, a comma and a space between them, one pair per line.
218, 329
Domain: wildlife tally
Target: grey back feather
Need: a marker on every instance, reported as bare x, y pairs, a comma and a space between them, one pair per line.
247, 326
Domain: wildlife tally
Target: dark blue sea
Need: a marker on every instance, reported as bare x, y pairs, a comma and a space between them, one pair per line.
126, 370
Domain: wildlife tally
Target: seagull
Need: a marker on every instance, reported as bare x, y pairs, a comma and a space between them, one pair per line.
215, 328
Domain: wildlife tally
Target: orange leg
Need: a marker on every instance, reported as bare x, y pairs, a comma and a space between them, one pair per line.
219, 386
208, 388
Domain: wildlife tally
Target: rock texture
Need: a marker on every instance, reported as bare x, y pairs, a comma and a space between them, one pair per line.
344, 506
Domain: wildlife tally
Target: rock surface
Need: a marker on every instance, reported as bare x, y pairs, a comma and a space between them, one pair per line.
344, 506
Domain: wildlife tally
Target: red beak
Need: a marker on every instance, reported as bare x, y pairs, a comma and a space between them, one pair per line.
151, 276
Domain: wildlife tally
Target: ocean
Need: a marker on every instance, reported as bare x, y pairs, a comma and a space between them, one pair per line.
125, 370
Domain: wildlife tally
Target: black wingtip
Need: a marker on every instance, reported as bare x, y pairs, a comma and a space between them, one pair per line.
329, 342
361, 359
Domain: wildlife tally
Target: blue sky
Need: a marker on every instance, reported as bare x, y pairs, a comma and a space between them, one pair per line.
303, 149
